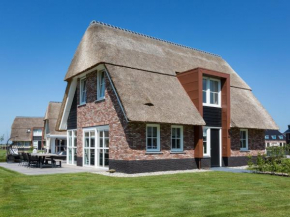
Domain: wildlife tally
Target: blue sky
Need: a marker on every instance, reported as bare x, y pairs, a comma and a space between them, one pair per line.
38, 40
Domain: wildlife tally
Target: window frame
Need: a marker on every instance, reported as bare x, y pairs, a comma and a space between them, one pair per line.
267, 137
247, 140
273, 136
158, 137
99, 73
207, 103
280, 137
82, 101
207, 154
181, 138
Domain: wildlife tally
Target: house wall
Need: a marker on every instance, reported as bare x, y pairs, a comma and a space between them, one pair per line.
127, 151
127, 140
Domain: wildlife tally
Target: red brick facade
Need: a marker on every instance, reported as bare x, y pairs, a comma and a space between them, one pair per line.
256, 142
128, 140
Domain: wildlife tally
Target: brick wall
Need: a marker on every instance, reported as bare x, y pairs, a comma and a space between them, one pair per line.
127, 140
256, 142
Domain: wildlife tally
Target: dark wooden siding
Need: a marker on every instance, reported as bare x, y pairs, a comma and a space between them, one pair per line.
37, 138
212, 116
72, 117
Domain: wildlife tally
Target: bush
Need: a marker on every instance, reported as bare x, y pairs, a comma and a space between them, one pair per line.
274, 161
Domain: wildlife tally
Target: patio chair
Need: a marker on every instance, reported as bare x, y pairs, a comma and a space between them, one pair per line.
25, 159
32, 160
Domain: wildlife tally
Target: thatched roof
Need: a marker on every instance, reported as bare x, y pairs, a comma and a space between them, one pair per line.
247, 111
167, 99
51, 116
22, 124
102, 43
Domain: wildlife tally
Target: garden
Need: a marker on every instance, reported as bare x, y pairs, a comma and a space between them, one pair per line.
276, 161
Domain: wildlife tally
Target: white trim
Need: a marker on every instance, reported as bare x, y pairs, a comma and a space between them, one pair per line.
247, 140
158, 137
56, 136
221, 154
181, 138
116, 95
68, 103
207, 103
98, 84
208, 142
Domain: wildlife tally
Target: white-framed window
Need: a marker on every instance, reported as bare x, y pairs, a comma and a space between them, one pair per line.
267, 137
103, 148
83, 91
244, 139
206, 142
280, 137
176, 138
211, 92
96, 147
152, 137
273, 136
72, 147
101, 84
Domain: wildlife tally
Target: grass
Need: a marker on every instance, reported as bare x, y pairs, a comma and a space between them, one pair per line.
2, 155
191, 194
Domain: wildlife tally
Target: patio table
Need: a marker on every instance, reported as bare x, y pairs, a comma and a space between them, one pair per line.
41, 158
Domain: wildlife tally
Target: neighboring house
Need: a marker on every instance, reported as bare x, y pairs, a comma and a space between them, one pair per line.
274, 138
55, 141
287, 135
27, 132
137, 104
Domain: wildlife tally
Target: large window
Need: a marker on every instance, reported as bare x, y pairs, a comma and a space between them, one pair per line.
211, 92
244, 139
267, 137
103, 148
83, 91
273, 136
89, 148
176, 138
153, 137
206, 142
72, 147
96, 147
101, 82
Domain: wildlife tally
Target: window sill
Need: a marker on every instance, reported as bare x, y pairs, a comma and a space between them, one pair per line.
206, 156
152, 152
177, 152
99, 100
84, 104
244, 150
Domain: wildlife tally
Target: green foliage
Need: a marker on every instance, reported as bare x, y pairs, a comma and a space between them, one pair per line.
275, 161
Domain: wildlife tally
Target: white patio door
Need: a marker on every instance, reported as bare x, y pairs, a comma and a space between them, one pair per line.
96, 147
72, 147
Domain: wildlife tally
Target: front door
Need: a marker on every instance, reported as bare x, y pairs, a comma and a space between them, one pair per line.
215, 147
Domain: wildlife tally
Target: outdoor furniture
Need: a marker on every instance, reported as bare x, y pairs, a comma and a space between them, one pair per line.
33, 160
24, 159
44, 159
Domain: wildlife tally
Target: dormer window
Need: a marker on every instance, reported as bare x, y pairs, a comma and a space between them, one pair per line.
280, 137
267, 137
83, 91
211, 92
101, 82
273, 137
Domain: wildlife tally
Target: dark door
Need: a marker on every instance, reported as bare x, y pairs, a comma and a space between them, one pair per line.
39, 145
215, 147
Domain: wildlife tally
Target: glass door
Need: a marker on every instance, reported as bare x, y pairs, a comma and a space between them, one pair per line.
89, 148
72, 147
103, 148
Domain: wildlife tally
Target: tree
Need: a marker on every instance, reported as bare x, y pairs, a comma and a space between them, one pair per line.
1, 139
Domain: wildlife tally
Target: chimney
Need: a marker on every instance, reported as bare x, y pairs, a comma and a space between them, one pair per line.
288, 127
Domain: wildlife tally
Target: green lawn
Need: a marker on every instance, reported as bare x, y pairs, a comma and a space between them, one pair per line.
2, 155
191, 194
